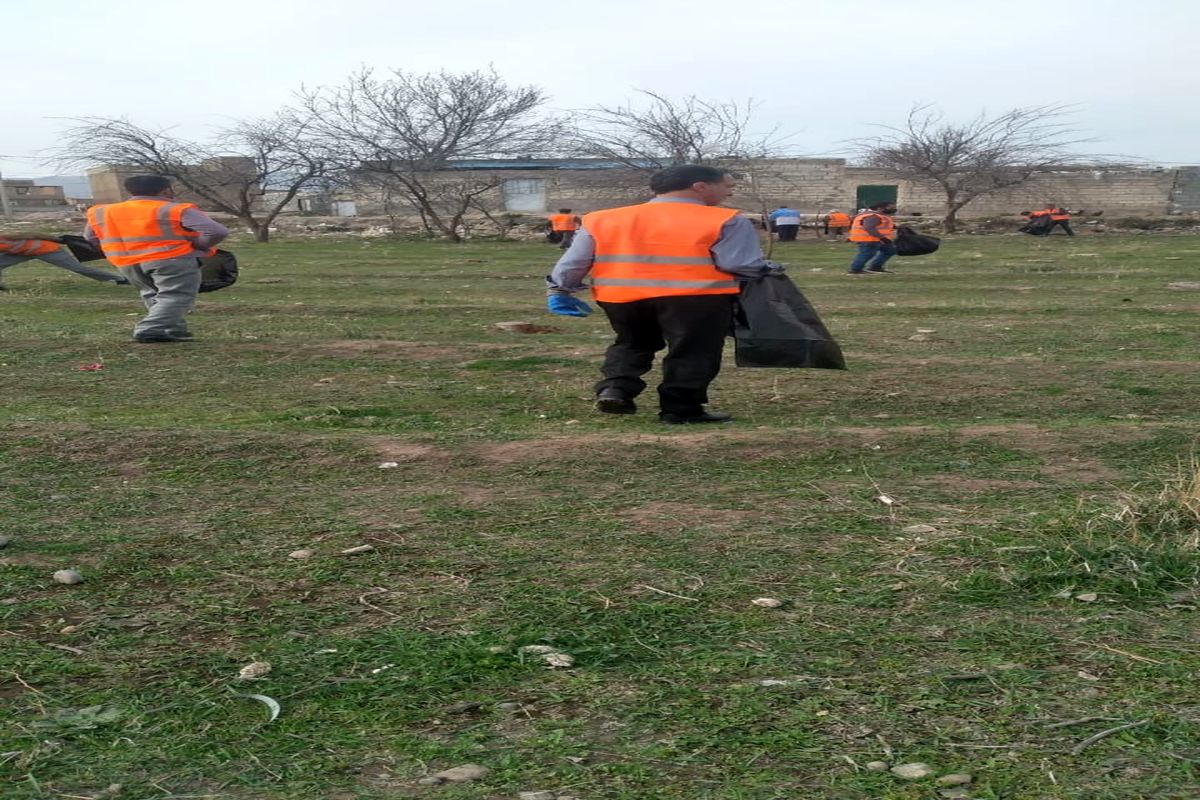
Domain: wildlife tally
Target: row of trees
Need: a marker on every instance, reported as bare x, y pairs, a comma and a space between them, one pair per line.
405, 133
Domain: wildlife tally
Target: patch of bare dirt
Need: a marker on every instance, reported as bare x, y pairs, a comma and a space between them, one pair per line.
960, 483
394, 448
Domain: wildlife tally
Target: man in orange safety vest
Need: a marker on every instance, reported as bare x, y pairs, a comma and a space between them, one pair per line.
666, 274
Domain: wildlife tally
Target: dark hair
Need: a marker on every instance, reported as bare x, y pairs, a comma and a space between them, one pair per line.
564, 211
147, 185
674, 179
883, 204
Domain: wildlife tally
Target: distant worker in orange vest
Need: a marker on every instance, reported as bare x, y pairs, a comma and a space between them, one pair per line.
872, 231
665, 272
1059, 217
14, 250
156, 243
837, 223
562, 227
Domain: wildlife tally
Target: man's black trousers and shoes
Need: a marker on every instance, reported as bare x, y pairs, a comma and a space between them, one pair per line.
692, 328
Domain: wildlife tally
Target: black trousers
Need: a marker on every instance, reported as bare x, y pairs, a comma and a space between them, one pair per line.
787, 233
1064, 224
692, 328
567, 238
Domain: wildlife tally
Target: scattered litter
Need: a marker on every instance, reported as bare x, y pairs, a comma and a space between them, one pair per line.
887, 500
919, 337
68, 577
550, 655
70, 629
1087, 597
773, 682
463, 774
912, 771
525, 327
955, 779
90, 367
926, 330
362, 548
1087, 676
537, 796
920, 529
325, 651
253, 670
389, 465
269, 702
767, 602
384, 668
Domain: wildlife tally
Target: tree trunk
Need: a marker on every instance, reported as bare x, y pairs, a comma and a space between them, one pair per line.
261, 230
950, 221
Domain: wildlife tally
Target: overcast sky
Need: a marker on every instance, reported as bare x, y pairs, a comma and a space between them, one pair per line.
823, 70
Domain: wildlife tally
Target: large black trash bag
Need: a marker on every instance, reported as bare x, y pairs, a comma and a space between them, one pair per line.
1038, 226
218, 271
911, 243
81, 248
776, 326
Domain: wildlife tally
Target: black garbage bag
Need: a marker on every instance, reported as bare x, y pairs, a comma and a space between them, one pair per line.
81, 248
911, 243
775, 326
218, 271
1038, 226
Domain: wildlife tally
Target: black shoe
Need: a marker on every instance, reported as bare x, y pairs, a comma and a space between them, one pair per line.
879, 270
153, 338
667, 418
613, 401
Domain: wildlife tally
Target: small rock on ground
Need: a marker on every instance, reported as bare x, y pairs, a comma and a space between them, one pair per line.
430, 781
301, 554
463, 774
877, 766
5, 541
955, 779
912, 771
537, 796
68, 577
767, 602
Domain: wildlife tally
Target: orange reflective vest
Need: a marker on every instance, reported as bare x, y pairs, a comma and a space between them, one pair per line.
563, 222
1057, 214
137, 231
838, 219
657, 250
27, 247
858, 233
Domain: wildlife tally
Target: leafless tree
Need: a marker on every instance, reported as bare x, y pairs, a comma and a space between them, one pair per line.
414, 133
230, 173
662, 131
979, 157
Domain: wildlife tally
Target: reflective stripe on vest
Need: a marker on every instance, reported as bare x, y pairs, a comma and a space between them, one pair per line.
137, 231
657, 250
27, 247
858, 233
562, 222
1058, 214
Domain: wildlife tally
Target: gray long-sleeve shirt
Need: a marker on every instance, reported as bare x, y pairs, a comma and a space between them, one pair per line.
211, 232
736, 251
870, 224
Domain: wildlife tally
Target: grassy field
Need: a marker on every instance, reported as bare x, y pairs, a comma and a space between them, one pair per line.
1034, 429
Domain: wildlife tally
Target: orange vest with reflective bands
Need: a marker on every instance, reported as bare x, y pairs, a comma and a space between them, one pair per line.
137, 231
27, 247
1057, 214
562, 222
657, 250
858, 233
839, 219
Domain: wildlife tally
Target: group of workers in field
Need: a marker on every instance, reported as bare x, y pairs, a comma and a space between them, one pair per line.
665, 272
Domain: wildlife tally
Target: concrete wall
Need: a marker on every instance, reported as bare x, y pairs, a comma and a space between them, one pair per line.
107, 181
25, 195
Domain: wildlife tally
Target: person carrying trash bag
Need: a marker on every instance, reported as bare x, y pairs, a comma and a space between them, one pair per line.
156, 244
665, 272
872, 231
14, 250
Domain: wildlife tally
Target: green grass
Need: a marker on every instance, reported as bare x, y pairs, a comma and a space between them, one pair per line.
1033, 431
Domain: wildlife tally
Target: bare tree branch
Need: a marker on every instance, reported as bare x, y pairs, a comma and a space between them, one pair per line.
979, 157
410, 134
662, 131
229, 174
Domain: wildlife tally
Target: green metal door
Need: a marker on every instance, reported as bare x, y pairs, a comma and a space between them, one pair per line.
870, 194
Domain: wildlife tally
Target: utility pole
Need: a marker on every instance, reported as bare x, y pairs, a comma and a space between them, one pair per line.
8, 215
